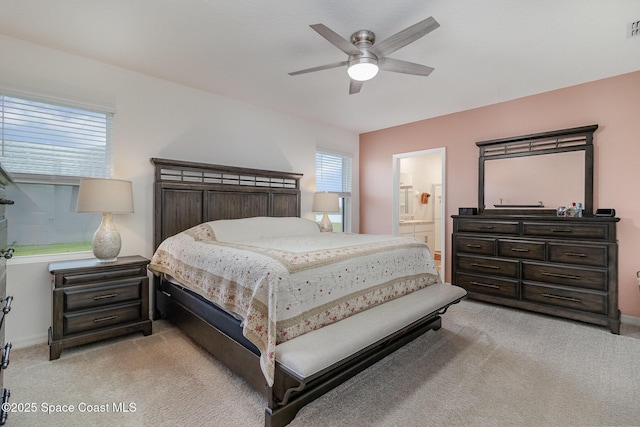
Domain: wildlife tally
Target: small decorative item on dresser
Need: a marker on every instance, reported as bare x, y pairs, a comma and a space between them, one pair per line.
93, 301
467, 211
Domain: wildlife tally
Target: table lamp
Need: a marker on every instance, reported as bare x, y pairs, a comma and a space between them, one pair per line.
107, 196
326, 202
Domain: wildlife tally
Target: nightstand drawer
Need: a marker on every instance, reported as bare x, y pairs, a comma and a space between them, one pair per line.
76, 299
88, 320
74, 279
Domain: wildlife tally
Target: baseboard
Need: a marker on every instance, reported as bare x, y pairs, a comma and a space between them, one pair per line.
28, 341
630, 320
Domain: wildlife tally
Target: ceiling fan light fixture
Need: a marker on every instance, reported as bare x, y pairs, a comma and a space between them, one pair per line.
363, 69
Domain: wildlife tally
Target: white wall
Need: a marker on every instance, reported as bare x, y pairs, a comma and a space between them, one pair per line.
155, 118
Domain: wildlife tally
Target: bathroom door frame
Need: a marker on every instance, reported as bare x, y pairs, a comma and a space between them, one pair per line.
395, 215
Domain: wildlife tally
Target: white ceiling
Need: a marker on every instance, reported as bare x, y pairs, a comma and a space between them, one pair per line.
484, 51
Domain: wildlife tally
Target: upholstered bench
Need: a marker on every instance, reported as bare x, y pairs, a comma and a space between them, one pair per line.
316, 352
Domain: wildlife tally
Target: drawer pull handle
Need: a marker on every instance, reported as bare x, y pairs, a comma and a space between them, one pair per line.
562, 276
493, 267
8, 253
7, 305
166, 294
4, 201
485, 227
5, 400
486, 285
5, 357
104, 319
562, 230
575, 254
474, 246
519, 250
561, 297
99, 297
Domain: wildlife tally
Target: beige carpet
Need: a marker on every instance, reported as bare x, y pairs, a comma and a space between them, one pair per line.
487, 366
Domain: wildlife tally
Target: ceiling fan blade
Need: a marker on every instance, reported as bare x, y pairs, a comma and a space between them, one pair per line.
355, 86
336, 39
399, 66
320, 68
404, 37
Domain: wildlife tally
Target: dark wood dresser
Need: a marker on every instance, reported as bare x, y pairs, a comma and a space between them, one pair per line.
560, 266
94, 301
5, 301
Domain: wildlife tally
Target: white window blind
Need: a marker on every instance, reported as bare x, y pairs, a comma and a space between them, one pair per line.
333, 173
54, 143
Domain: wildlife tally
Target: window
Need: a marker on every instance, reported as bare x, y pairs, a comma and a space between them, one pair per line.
47, 147
333, 174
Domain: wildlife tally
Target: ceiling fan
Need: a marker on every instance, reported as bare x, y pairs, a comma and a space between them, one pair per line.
365, 58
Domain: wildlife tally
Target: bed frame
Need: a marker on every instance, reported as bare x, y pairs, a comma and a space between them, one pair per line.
187, 194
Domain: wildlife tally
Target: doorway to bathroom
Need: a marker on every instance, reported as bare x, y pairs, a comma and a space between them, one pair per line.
419, 199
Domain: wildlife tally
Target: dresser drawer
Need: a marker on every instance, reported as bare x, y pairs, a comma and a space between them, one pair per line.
595, 256
76, 299
565, 275
480, 246
83, 321
567, 298
499, 227
488, 285
564, 230
492, 266
521, 249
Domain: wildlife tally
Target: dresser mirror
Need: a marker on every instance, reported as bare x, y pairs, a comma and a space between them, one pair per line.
535, 174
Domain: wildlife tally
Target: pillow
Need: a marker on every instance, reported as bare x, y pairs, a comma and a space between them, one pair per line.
236, 230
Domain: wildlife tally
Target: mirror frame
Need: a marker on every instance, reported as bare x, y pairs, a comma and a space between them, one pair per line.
552, 142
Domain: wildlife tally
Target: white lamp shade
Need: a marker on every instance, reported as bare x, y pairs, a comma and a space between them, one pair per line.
105, 195
326, 202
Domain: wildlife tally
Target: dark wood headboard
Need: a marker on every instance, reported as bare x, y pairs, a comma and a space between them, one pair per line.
187, 194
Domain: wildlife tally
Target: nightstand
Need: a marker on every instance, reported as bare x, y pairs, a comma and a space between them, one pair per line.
94, 301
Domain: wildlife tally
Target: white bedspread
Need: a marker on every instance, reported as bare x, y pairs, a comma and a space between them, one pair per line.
284, 287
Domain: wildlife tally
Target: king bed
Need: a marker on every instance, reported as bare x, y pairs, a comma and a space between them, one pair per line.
292, 310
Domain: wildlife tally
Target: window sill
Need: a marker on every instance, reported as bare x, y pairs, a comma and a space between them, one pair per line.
37, 259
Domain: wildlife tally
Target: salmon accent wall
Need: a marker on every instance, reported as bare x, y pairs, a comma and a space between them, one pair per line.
612, 103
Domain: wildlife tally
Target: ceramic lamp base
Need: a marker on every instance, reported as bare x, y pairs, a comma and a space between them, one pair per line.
106, 240
325, 223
